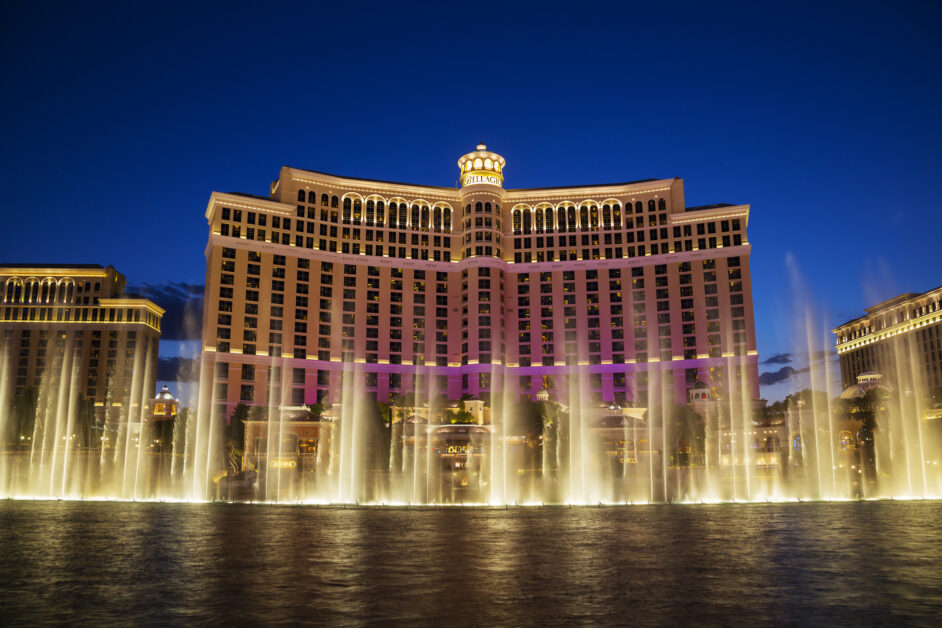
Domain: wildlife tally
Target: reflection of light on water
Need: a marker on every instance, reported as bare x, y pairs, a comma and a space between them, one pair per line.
469, 505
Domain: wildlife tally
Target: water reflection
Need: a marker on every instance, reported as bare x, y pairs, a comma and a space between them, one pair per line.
214, 563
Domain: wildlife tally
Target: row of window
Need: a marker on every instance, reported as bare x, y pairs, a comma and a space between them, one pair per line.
308, 385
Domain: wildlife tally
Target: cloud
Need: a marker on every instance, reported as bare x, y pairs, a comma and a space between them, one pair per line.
184, 305
779, 358
178, 369
775, 377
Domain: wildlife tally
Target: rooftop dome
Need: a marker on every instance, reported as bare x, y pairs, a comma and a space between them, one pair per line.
866, 382
165, 394
482, 167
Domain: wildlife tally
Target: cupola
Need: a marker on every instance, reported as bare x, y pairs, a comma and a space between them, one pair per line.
482, 167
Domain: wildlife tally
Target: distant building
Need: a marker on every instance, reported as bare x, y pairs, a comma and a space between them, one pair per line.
900, 338
618, 289
76, 320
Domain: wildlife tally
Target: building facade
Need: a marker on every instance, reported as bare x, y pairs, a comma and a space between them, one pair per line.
76, 320
333, 282
900, 338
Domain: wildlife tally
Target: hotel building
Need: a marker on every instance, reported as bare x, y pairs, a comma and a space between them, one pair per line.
76, 319
475, 289
899, 335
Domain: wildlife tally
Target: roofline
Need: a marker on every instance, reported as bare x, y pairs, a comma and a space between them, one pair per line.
873, 310
136, 302
364, 179
457, 189
590, 185
900, 298
51, 265
236, 200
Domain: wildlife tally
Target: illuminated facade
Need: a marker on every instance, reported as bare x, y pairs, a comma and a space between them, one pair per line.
900, 336
77, 320
442, 290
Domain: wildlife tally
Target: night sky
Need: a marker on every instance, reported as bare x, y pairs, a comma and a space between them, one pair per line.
120, 120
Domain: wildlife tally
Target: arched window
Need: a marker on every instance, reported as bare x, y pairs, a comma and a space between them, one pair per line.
447, 213
370, 211
393, 215
594, 217
10, 294
414, 222
357, 210
301, 196
334, 201
518, 224
548, 219
607, 216
583, 217
437, 219
46, 293
526, 221
561, 218
487, 208
478, 207
616, 210
651, 205
325, 200
538, 221
347, 210
571, 218
467, 209
312, 197
380, 212
639, 207
662, 204
425, 218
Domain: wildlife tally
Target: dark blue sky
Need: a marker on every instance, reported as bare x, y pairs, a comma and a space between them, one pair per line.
119, 120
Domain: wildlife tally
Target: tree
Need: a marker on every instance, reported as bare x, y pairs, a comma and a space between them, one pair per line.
385, 413
318, 409
378, 434
25, 403
437, 405
461, 416
527, 419
235, 436
689, 429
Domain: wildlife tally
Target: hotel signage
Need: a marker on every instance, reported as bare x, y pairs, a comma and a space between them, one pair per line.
459, 449
474, 179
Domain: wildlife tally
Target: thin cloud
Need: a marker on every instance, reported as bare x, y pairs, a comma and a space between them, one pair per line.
178, 369
183, 303
785, 373
779, 358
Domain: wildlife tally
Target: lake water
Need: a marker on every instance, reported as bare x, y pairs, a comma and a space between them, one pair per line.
853, 563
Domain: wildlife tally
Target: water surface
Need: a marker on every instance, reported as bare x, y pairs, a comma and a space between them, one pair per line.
852, 563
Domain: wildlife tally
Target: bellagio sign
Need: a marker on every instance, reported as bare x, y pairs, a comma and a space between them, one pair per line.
474, 179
